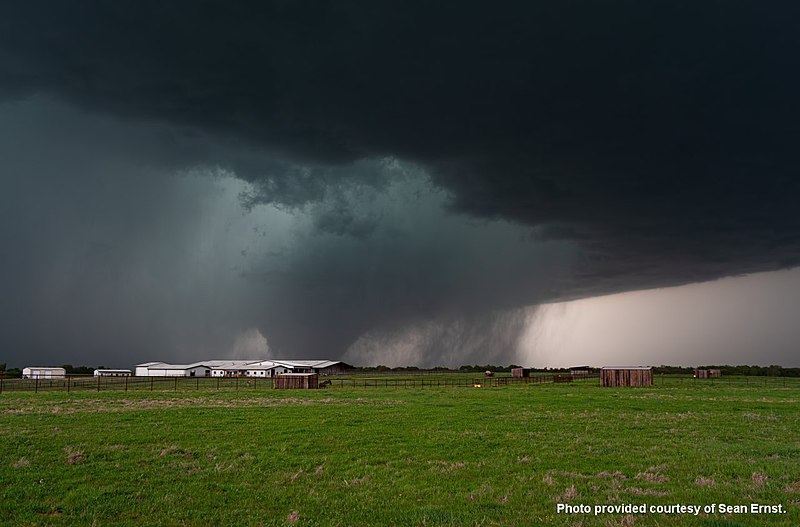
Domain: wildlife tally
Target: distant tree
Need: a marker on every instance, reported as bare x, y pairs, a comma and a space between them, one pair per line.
78, 370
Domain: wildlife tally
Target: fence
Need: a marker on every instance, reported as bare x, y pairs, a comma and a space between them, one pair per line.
139, 384
725, 380
90, 383
444, 381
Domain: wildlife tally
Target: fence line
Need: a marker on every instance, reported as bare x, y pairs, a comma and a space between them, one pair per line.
726, 380
91, 383
139, 384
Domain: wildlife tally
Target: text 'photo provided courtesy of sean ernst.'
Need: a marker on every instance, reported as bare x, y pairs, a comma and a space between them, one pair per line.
672, 509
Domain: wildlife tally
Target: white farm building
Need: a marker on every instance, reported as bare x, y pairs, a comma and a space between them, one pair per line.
43, 372
240, 368
162, 369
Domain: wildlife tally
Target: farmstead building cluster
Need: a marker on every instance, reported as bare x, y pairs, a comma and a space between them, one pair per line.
240, 368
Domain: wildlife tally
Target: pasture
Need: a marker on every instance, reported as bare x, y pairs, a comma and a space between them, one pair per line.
505, 455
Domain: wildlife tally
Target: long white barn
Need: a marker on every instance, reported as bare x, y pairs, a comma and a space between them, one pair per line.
240, 368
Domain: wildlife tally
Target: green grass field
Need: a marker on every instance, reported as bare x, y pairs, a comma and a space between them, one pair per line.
392, 456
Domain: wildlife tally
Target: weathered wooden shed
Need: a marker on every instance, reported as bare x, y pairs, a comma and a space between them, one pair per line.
701, 374
296, 381
520, 372
715, 373
626, 376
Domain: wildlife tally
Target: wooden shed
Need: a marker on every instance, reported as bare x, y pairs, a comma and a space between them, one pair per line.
296, 381
626, 376
715, 373
701, 374
520, 372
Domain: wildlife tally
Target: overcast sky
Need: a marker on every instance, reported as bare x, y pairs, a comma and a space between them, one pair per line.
545, 183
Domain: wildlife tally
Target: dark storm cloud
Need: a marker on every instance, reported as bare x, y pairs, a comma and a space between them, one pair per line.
659, 136
107, 259
662, 131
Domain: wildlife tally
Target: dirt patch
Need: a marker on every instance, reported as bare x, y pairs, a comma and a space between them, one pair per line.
569, 494
651, 477
704, 482
758, 479
21, 463
74, 456
355, 482
177, 452
646, 492
616, 475
793, 488
447, 466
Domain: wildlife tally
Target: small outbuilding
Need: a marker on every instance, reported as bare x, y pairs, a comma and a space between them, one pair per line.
296, 381
701, 374
520, 372
43, 372
715, 373
626, 376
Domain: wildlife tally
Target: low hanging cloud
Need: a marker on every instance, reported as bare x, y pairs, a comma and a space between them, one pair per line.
413, 161
107, 260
